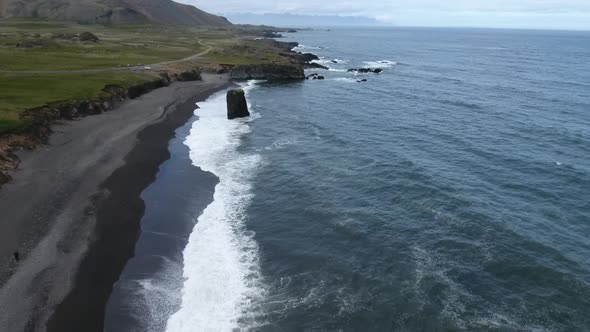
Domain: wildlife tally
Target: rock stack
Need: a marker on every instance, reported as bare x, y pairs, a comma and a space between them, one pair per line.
237, 107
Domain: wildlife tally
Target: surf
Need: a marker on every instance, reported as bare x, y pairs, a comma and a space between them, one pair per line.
221, 262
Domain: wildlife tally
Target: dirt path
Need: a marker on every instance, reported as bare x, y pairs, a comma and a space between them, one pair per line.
154, 66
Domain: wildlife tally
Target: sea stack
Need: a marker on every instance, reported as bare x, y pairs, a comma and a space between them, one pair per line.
237, 107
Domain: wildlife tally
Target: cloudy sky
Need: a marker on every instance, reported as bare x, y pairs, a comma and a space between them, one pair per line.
548, 14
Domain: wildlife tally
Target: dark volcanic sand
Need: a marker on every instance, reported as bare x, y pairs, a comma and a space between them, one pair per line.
149, 289
84, 188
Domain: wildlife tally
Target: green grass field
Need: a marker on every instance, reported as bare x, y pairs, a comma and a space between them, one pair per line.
38, 45
118, 46
21, 92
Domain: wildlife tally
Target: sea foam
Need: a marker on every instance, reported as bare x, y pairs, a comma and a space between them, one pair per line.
380, 64
221, 270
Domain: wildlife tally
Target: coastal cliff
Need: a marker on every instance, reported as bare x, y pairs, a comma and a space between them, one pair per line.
267, 72
94, 169
40, 119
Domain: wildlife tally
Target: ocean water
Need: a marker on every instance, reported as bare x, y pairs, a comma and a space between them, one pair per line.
451, 192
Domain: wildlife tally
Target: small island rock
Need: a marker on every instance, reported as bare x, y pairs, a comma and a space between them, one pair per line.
237, 107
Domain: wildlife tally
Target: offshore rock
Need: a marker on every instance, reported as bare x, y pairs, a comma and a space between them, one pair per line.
237, 107
366, 70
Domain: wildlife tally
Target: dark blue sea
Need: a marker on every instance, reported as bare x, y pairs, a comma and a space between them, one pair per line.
449, 193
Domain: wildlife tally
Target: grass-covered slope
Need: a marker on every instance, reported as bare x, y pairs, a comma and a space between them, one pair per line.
21, 92
43, 62
39, 45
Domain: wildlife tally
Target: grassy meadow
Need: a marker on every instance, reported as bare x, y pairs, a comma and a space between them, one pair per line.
19, 92
36, 55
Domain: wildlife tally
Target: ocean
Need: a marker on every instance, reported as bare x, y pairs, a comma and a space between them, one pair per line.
450, 192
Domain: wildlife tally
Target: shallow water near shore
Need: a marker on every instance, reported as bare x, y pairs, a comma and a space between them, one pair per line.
451, 192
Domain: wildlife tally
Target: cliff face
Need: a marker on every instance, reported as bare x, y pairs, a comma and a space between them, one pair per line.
267, 72
111, 11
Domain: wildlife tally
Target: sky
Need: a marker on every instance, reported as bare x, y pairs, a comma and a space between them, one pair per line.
533, 14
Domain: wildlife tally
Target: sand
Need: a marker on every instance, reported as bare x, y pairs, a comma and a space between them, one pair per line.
73, 209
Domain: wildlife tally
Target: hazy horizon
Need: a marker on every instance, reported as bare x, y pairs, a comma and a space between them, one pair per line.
503, 14
308, 21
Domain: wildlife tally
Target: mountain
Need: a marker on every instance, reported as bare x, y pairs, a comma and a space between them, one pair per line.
296, 20
111, 11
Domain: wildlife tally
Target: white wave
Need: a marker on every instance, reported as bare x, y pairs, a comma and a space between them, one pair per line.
306, 47
282, 143
337, 70
326, 62
221, 264
457, 300
345, 79
380, 64
495, 48
323, 62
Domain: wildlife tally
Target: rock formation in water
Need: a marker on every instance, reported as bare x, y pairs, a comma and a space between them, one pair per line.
237, 107
366, 70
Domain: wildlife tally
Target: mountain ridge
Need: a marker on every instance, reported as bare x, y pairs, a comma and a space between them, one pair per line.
111, 11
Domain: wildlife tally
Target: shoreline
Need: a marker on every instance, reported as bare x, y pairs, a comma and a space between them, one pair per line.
146, 294
83, 220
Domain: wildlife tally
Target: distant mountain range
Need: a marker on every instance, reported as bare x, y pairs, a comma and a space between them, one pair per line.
111, 11
294, 20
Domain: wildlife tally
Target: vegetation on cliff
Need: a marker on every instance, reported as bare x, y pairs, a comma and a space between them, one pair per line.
51, 70
45, 62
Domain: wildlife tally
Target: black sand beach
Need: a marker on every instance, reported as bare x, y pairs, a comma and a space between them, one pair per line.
149, 289
72, 211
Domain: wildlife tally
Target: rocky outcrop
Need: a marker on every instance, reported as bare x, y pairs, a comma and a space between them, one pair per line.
313, 65
303, 59
88, 37
286, 45
41, 118
8, 161
271, 34
189, 75
268, 71
237, 107
366, 70
300, 57
315, 76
